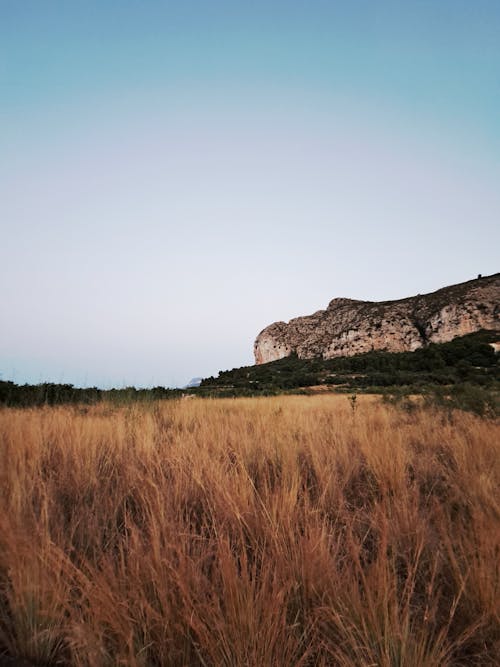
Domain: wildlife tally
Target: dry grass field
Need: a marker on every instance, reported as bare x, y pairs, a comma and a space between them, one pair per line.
251, 532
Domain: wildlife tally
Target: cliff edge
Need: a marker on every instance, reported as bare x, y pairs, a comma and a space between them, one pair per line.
349, 327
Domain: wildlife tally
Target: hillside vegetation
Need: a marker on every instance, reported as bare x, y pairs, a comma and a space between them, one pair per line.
468, 359
249, 533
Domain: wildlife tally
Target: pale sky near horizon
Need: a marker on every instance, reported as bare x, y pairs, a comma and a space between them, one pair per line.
174, 176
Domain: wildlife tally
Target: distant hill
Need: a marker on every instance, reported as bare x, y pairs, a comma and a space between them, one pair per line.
193, 382
349, 327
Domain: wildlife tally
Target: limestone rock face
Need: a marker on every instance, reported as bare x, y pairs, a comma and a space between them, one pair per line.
349, 327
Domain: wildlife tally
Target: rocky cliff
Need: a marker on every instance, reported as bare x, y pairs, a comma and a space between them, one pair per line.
349, 327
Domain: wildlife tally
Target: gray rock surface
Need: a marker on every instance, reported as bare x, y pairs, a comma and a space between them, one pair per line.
349, 327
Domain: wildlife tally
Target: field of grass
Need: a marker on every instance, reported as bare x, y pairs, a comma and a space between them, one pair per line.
279, 531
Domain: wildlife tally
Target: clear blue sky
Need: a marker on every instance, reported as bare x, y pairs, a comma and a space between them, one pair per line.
174, 176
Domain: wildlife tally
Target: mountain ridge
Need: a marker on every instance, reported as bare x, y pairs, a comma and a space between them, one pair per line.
350, 326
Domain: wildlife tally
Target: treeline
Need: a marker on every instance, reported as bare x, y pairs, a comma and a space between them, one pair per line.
468, 359
48, 393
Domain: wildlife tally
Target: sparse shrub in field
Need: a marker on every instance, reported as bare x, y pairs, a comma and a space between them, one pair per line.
466, 397
252, 532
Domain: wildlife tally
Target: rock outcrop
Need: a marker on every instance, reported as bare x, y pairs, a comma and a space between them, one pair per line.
349, 327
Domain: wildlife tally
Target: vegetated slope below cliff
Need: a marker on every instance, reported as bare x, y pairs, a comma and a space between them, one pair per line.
468, 359
349, 327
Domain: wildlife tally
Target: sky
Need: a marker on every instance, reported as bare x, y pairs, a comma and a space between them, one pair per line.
175, 176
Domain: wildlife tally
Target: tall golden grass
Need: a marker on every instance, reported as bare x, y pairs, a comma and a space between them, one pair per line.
250, 532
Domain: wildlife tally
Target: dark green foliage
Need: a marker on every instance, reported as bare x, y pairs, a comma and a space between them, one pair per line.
466, 397
13, 395
468, 359
47, 393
